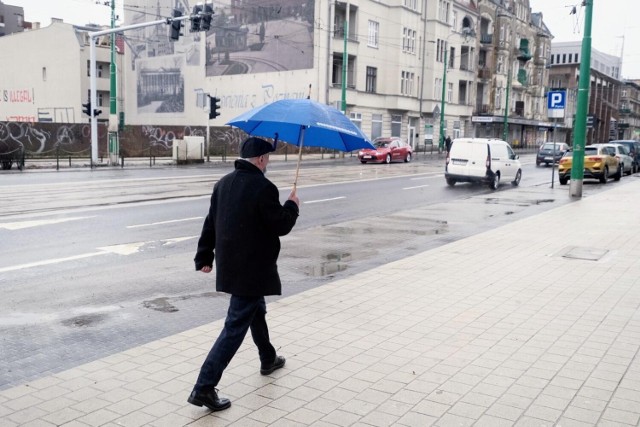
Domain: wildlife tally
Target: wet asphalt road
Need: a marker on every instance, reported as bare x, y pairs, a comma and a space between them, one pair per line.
92, 263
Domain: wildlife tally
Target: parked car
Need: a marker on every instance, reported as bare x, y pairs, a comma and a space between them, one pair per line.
620, 151
388, 149
482, 160
547, 154
598, 164
633, 147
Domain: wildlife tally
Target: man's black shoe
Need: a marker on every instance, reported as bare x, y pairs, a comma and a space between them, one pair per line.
210, 400
277, 364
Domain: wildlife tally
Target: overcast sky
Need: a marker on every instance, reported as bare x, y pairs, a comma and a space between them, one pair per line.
612, 19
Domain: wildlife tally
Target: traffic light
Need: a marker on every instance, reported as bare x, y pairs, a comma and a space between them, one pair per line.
86, 108
176, 25
97, 112
196, 18
206, 18
214, 106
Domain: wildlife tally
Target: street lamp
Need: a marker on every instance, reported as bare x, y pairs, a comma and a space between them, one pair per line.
466, 32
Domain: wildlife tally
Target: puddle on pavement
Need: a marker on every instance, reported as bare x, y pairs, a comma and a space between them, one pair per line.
165, 304
331, 264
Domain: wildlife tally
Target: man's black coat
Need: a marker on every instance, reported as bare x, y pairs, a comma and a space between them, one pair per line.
243, 226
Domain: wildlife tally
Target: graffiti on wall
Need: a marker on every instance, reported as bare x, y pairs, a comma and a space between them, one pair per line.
18, 96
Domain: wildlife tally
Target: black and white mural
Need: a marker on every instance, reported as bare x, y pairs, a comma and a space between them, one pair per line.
260, 36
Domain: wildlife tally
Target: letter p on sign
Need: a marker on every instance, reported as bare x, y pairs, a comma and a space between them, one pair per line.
556, 103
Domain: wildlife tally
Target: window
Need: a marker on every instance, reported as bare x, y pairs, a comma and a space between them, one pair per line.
374, 30
372, 76
454, 20
408, 40
441, 46
376, 125
100, 99
396, 124
44, 74
452, 56
406, 83
564, 58
437, 89
443, 10
356, 119
500, 65
411, 4
498, 98
449, 92
99, 70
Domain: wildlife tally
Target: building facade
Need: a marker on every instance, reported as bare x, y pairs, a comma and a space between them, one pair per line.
52, 82
11, 19
629, 122
604, 93
512, 74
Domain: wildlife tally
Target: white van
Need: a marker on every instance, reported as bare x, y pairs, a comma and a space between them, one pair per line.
482, 160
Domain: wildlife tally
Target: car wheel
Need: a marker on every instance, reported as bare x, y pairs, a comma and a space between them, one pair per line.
516, 181
618, 174
495, 182
408, 158
563, 181
387, 159
537, 163
363, 161
451, 182
605, 175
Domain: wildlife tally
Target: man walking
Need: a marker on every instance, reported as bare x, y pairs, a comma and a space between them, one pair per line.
243, 227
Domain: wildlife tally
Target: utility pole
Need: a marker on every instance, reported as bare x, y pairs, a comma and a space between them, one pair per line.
114, 144
505, 127
444, 85
345, 62
580, 125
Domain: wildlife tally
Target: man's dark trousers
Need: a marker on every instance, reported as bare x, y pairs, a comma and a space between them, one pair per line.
244, 313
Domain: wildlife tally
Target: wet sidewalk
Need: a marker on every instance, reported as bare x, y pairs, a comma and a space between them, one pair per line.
536, 323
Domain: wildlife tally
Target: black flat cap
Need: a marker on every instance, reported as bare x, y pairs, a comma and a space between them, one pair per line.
255, 147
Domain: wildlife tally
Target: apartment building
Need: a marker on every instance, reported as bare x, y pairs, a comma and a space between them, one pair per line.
512, 75
629, 113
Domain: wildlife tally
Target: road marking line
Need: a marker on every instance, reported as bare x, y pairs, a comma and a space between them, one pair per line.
164, 222
324, 200
418, 186
51, 261
36, 223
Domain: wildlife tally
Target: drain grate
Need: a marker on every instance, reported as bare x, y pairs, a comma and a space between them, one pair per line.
587, 254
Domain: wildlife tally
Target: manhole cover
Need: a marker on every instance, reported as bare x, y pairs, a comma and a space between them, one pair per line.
587, 254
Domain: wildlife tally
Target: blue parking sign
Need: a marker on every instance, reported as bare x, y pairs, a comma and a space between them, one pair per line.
556, 100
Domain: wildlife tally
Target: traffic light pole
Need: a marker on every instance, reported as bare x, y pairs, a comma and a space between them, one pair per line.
92, 67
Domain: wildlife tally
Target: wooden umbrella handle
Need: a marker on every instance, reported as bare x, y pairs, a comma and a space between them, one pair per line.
301, 141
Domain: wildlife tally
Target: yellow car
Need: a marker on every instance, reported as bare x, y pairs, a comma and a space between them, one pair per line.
599, 163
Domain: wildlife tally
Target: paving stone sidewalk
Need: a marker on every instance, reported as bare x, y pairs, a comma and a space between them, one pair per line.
536, 323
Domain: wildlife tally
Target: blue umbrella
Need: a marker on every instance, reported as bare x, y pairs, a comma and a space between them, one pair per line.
303, 122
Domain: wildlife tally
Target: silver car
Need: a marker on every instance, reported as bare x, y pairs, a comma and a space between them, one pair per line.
620, 151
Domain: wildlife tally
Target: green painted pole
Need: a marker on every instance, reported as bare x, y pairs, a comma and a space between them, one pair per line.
505, 126
345, 62
444, 85
113, 110
580, 125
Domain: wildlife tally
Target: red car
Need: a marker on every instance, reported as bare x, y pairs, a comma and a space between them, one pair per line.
388, 149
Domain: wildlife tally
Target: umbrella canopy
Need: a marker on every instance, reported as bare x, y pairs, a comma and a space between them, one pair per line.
303, 121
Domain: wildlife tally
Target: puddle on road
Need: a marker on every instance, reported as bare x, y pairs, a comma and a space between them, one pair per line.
84, 320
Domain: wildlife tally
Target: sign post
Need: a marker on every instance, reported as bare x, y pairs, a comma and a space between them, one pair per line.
556, 101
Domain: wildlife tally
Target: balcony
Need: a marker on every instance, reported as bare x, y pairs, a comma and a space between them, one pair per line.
486, 38
625, 110
483, 110
522, 53
522, 76
484, 73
